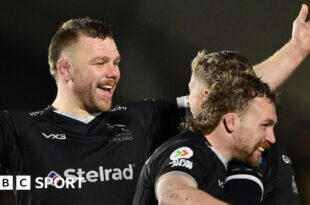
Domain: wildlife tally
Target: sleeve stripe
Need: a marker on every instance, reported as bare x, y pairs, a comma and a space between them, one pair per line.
248, 177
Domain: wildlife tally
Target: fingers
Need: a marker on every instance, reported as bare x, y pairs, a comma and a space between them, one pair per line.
302, 16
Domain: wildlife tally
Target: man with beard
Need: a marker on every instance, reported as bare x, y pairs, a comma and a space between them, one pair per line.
235, 123
275, 167
79, 137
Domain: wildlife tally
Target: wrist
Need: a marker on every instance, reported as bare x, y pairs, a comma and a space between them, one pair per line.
298, 52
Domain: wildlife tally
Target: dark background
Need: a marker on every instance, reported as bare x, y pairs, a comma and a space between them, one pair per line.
157, 41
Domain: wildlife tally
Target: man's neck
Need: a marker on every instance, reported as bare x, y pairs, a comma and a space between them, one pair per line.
219, 143
84, 119
68, 106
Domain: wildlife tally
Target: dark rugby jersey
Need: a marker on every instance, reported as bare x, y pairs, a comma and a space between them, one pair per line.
209, 173
280, 187
108, 152
187, 153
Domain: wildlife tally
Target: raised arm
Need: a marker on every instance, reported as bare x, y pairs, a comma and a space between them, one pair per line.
176, 189
277, 68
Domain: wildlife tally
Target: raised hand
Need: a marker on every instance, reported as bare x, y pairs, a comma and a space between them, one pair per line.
301, 31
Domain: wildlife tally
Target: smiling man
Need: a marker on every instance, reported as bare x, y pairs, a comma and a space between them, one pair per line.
86, 71
80, 138
235, 122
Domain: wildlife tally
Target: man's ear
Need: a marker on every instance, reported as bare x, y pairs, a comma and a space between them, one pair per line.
231, 122
63, 66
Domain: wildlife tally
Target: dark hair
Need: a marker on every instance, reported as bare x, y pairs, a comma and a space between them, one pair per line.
70, 31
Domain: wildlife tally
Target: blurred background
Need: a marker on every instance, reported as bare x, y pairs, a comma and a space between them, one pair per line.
157, 41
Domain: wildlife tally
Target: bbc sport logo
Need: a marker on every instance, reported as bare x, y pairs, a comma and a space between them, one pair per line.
53, 179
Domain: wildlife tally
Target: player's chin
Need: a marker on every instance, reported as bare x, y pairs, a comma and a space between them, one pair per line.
254, 159
104, 106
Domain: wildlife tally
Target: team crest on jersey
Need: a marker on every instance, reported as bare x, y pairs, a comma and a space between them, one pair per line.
182, 153
122, 133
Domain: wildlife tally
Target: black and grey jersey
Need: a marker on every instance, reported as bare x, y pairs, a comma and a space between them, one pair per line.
107, 153
280, 187
201, 164
189, 154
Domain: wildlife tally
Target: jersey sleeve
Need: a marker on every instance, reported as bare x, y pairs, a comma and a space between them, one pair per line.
191, 160
159, 120
7, 139
166, 121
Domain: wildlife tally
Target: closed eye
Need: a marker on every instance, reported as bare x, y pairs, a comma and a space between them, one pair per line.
117, 61
268, 123
100, 63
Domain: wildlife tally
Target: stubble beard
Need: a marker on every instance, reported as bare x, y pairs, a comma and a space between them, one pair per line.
90, 102
243, 152
247, 154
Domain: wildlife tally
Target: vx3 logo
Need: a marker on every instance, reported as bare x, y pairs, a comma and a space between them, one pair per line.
54, 136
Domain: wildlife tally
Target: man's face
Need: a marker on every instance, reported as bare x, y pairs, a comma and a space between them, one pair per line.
255, 133
197, 92
94, 72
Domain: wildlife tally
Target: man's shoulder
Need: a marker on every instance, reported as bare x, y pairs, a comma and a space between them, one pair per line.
185, 137
22, 117
278, 156
147, 112
26, 113
187, 142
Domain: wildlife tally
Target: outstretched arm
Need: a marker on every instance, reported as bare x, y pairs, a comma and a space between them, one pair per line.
276, 69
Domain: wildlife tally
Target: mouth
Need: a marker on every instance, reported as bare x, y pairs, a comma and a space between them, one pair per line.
262, 146
106, 89
261, 149
256, 156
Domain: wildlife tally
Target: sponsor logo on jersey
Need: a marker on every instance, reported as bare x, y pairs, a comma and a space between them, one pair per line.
101, 174
181, 163
182, 153
286, 159
221, 183
179, 157
37, 113
54, 136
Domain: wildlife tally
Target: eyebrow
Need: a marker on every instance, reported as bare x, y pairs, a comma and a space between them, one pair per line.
269, 122
104, 58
